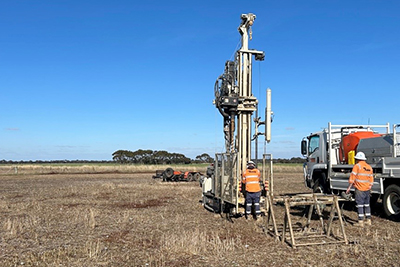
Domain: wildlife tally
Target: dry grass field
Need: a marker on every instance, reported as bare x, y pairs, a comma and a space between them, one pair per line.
103, 218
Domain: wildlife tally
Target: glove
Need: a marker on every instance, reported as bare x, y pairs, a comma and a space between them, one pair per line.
346, 196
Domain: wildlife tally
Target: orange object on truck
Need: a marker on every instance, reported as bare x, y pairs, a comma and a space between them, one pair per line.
350, 143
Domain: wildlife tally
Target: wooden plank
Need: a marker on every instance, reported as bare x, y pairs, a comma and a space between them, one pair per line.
284, 228
331, 216
319, 243
310, 212
321, 219
341, 221
309, 236
290, 224
269, 199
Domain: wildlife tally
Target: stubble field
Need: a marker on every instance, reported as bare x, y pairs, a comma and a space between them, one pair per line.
130, 219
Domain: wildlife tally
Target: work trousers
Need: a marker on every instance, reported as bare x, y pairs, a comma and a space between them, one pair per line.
362, 201
253, 198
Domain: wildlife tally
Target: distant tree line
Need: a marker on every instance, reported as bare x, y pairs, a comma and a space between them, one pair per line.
145, 157
156, 157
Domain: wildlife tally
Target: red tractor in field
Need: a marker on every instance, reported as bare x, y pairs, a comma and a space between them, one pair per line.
169, 174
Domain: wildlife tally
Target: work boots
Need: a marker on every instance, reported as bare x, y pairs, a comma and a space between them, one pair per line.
368, 222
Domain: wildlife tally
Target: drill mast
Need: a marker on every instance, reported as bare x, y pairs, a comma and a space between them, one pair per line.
235, 101
234, 98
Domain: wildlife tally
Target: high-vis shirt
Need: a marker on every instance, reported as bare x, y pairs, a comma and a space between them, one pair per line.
361, 176
251, 178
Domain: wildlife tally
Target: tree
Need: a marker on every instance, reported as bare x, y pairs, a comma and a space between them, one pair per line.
160, 157
204, 158
122, 156
142, 156
149, 157
177, 158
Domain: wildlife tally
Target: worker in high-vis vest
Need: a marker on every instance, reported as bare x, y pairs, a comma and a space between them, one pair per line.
251, 182
362, 179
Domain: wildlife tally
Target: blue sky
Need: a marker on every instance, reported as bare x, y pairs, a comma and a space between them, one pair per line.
82, 79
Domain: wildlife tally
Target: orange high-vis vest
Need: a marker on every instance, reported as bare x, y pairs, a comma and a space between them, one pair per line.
362, 176
251, 177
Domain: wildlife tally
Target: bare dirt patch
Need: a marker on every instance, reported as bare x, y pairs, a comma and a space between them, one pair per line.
113, 219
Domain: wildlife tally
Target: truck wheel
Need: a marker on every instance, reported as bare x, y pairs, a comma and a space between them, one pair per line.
391, 201
190, 177
318, 188
169, 172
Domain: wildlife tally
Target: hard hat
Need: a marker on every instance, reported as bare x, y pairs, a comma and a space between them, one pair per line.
250, 162
360, 156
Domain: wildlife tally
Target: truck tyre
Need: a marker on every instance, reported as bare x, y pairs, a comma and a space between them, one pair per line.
169, 172
391, 201
321, 185
190, 177
318, 188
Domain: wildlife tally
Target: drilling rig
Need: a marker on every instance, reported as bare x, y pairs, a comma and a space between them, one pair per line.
236, 103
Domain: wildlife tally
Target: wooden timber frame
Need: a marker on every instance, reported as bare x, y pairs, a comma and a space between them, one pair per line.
297, 235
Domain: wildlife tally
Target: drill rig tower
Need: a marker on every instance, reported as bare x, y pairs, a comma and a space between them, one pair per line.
235, 101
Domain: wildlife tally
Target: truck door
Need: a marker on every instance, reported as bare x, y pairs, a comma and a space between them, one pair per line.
313, 157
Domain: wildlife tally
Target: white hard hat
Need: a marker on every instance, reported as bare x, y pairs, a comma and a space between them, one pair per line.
250, 162
360, 156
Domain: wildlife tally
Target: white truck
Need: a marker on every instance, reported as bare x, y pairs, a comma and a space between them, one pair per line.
330, 159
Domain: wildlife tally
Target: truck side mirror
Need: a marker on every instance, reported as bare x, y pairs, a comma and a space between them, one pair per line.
304, 147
